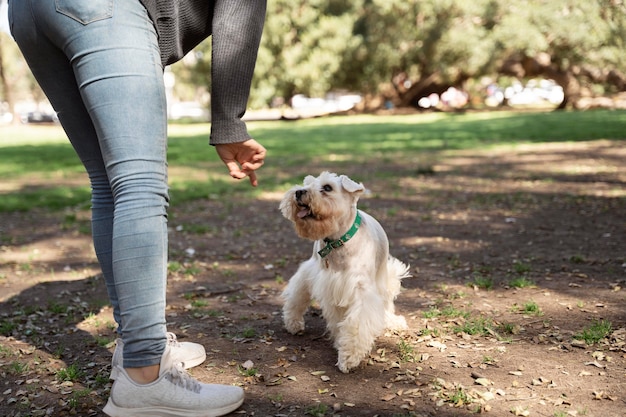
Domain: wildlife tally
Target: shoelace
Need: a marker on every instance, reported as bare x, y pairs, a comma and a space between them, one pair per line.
171, 339
177, 376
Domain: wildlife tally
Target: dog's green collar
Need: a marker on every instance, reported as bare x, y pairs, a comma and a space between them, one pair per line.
333, 244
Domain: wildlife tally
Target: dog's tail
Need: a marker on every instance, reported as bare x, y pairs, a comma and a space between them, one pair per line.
396, 272
398, 268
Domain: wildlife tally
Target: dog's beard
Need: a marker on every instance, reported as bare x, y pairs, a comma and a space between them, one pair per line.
314, 223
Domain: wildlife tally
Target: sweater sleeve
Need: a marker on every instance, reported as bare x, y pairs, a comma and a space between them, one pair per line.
237, 29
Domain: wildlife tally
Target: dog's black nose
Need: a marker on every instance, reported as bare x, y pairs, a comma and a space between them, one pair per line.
300, 193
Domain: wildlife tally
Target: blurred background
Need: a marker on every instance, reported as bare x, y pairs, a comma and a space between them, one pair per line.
328, 56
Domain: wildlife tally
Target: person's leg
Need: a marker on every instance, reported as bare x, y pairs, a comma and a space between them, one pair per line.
99, 65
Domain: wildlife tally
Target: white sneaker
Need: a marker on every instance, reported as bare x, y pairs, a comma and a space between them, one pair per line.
174, 394
187, 354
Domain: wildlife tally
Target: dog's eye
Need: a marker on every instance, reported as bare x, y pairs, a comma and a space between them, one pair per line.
327, 188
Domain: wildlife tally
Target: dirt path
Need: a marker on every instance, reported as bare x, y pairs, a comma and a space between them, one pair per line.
517, 257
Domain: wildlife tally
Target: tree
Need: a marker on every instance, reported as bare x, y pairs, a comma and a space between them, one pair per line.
410, 48
303, 47
579, 44
16, 81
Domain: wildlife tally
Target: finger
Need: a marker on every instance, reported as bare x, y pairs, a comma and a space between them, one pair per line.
234, 170
253, 180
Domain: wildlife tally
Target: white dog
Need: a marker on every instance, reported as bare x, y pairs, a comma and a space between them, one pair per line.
350, 274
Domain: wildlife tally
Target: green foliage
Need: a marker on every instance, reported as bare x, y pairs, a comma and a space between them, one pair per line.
71, 373
407, 351
482, 282
531, 307
595, 332
401, 48
318, 410
474, 326
521, 268
521, 282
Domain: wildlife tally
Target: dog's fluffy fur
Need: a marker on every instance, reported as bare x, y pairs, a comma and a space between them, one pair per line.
355, 284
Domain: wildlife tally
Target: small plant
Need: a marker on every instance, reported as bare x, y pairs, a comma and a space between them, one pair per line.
102, 341
577, 259
276, 398
448, 311
57, 308
101, 379
18, 368
248, 333
531, 307
192, 269
75, 399
7, 327
521, 268
521, 282
507, 328
174, 266
459, 397
431, 313
247, 371
427, 332
318, 410
71, 373
199, 303
407, 353
488, 360
474, 326
595, 332
482, 282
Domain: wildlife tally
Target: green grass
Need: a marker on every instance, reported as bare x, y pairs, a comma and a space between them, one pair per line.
521, 282
40, 170
71, 373
595, 332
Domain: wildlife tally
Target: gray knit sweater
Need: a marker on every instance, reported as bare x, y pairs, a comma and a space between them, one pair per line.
236, 27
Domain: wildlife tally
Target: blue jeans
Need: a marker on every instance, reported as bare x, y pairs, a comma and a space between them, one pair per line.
98, 63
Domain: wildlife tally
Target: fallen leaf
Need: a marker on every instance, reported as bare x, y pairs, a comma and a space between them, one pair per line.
487, 395
388, 397
520, 411
483, 381
594, 363
437, 345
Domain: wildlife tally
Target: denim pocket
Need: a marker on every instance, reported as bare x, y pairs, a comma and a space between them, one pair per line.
85, 11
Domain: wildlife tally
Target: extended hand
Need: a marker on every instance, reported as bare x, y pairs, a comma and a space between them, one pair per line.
242, 158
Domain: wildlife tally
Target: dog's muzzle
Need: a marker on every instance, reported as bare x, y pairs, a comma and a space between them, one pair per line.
305, 210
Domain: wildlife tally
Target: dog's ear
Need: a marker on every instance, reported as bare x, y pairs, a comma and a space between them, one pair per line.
351, 186
308, 179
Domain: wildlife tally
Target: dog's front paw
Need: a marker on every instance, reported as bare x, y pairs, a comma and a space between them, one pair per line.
395, 322
294, 326
345, 363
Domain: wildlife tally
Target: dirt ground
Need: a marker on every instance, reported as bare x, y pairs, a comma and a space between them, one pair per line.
516, 305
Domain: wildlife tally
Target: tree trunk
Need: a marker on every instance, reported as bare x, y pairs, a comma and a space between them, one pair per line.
6, 88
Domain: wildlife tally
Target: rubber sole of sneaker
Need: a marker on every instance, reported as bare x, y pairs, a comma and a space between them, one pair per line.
114, 411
